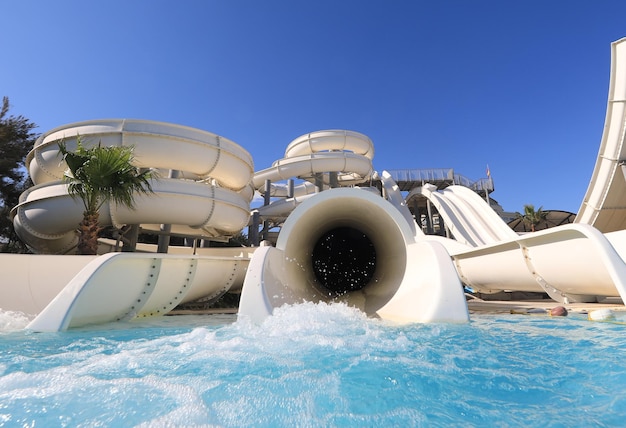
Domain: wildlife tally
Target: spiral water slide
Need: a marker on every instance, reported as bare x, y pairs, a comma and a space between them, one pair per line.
209, 197
604, 204
313, 157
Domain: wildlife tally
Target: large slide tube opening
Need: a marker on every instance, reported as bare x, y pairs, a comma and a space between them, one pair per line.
344, 260
345, 242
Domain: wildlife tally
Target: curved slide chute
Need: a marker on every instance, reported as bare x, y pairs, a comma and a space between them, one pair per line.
125, 286
210, 198
604, 204
571, 263
466, 214
347, 153
331, 140
192, 208
193, 152
306, 166
312, 157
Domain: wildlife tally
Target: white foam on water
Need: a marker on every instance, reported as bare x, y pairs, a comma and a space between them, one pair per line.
13, 321
316, 365
232, 374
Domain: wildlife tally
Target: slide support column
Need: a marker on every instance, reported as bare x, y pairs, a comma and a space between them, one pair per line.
164, 237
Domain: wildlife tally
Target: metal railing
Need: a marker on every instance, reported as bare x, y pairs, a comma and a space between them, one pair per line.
441, 177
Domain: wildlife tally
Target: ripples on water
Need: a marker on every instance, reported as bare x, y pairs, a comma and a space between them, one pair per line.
315, 365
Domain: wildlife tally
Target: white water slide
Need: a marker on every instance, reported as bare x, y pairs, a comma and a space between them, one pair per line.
604, 204
209, 196
72, 291
353, 246
344, 243
313, 157
401, 273
347, 153
466, 215
571, 263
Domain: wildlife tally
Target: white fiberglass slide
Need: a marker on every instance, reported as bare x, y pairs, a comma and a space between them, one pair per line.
400, 280
47, 215
209, 197
125, 286
347, 152
604, 204
194, 152
466, 214
72, 291
571, 263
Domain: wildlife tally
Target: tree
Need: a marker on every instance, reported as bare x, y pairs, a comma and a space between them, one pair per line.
16, 140
97, 175
532, 217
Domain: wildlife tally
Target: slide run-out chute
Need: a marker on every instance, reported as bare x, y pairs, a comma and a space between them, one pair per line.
124, 286
571, 263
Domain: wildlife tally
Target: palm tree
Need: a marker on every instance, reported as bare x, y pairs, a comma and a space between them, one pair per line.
97, 175
532, 217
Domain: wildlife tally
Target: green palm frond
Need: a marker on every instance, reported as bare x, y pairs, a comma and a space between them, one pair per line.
96, 175
531, 216
103, 174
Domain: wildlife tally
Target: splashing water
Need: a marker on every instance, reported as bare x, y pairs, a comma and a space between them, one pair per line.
315, 365
10, 321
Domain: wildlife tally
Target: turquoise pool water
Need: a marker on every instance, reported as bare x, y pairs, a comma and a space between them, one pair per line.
316, 365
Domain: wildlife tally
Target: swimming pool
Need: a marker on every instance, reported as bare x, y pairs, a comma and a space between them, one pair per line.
315, 365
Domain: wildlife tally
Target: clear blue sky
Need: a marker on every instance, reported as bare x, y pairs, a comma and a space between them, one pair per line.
520, 86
